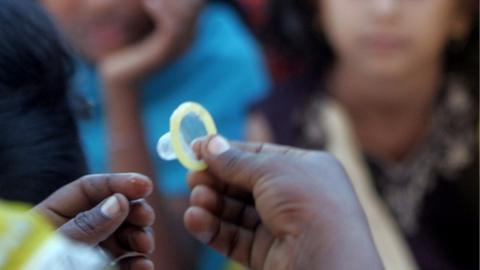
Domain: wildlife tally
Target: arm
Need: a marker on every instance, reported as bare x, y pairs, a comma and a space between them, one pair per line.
122, 74
129, 152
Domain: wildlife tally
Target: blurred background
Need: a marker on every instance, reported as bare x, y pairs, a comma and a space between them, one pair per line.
390, 87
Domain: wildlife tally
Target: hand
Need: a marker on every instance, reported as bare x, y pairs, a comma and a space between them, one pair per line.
174, 21
271, 207
106, 210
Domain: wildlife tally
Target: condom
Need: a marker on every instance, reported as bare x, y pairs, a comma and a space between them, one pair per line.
190, 121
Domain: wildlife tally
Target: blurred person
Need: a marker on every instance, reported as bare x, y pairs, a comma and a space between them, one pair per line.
40, 150
391, 89
137, 61
39, 144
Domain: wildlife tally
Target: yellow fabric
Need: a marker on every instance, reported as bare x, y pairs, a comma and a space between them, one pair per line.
26, 229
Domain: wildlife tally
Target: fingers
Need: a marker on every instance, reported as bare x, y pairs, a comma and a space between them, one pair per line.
233, 166
95, 225
165, 11
136, 239
136, 263
88, 191
241, 165
204, 178
156, 8
135, 234
141, 214
207, 179
224, 207
231, 240
130, 239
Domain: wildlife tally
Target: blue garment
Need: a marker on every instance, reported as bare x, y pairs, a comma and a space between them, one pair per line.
223, 71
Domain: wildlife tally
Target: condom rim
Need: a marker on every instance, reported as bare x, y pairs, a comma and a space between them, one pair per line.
175, 122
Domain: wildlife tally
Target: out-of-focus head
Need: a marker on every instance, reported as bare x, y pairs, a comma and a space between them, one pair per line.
97, 28
376, 37
39, 146
388, 37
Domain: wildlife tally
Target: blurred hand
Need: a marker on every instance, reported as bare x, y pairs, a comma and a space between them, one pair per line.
272, 207
175, 22
106, 210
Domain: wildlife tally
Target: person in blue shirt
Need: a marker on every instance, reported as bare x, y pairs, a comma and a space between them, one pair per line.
138, 60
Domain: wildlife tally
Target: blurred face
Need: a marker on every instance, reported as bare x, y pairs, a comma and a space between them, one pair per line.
97, 28
389, 37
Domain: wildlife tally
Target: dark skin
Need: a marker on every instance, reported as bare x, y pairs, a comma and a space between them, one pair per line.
78, 211
274, 207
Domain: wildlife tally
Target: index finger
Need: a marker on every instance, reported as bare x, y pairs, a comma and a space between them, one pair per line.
90, 190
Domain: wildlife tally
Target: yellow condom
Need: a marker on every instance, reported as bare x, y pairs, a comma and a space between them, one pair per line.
188, 122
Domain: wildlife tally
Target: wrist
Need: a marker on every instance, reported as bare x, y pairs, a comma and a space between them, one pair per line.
344, 242
113, 82
115, 74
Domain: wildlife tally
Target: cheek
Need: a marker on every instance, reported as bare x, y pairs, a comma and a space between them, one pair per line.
340, 24
430, 28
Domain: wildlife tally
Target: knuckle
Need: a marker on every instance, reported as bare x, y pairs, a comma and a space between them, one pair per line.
85, 223
232, 161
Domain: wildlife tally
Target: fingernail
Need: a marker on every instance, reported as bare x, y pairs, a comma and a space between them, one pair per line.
218, 145
111, 207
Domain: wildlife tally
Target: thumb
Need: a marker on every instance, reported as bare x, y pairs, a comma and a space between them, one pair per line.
97, 224
231, 164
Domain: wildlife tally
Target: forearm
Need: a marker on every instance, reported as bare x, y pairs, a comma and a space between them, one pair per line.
129, 152
128, 149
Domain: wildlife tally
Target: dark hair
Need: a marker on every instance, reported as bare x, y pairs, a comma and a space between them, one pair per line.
39, 145
290, 24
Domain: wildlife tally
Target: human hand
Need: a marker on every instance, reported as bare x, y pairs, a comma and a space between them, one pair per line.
174, 28
273, 207
106, 210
